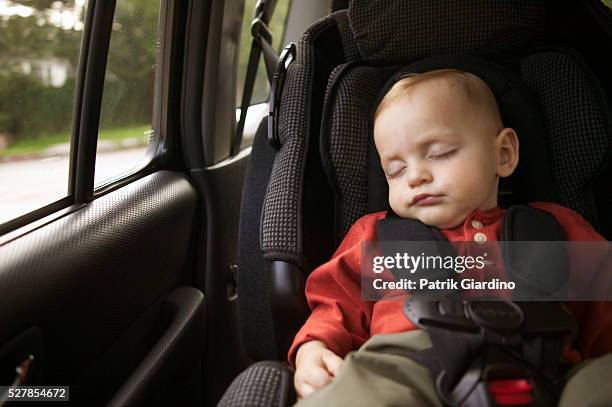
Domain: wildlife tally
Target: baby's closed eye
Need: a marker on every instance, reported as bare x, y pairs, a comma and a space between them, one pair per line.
394, 168
441, 153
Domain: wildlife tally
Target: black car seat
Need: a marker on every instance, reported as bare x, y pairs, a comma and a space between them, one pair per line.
313, 170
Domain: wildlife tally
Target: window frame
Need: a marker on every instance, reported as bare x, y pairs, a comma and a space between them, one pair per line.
93, 57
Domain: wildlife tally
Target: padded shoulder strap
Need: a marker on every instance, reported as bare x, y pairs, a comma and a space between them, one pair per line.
521, 223
394, 228
541, 269
524, 223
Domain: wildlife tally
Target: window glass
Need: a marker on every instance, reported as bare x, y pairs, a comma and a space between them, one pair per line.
39, 49
127, 101
261, 89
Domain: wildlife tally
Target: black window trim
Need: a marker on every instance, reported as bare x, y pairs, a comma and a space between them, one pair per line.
97, 27
89, 101
157, 153
93, 57
24, 224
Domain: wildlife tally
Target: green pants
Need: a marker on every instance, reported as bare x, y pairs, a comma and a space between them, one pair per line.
377, 375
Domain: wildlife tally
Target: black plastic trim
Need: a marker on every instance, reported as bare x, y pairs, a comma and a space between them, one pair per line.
115, 184
185, 311
288, 302
78, 99
28, 218
198, 18
169, 152
90, 104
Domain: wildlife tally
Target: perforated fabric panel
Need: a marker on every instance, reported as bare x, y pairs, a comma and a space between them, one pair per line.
331, 80
347, 137
575, 121
281, 217
400, 31
380, 33
348, 42
86, 277
261, 385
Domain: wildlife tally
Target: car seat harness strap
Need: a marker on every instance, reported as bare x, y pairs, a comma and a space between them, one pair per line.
261, 44
493, 352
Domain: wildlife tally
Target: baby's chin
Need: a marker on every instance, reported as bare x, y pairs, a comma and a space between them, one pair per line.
443, 223
437, 220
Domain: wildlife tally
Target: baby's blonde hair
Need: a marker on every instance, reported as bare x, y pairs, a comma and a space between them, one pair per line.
472, 87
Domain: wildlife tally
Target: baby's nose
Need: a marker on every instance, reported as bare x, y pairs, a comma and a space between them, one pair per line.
418, 175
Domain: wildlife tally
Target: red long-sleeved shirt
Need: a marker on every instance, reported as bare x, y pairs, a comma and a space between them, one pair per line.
343, 321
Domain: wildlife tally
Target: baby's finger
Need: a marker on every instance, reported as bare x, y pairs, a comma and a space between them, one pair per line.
332, 362
317, 377
304, 390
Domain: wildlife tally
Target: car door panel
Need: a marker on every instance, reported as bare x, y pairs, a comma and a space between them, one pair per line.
83, 280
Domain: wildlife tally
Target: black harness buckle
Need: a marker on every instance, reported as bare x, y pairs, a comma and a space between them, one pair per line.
502, 342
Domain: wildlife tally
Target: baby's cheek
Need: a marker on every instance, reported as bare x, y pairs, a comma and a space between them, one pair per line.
399, 209
397, 200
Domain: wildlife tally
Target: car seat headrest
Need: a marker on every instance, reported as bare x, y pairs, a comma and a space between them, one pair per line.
399, 30
532, 180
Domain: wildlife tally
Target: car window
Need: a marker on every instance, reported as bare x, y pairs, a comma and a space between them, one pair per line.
127, 101
277, 27
39, 52
261, 89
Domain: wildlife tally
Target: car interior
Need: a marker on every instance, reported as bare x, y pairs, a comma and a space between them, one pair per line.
182, 283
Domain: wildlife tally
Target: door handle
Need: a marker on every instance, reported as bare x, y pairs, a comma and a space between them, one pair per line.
23, 373
21, 361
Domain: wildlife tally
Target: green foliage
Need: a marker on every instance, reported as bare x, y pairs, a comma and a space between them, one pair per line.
36, 38
130, 71
23, 94
27, 146
32, 107
30, 48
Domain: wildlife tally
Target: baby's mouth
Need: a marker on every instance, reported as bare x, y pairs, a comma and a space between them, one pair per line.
425, 200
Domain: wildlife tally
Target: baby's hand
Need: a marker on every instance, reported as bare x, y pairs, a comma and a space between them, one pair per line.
315, 367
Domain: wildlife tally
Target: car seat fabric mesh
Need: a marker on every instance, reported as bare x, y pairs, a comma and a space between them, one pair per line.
378, 34
398, 31
281, 215
270, 218
577, 121
347, 150
367, 31
264, 384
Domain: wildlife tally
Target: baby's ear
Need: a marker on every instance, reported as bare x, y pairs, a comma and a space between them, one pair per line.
507, 151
